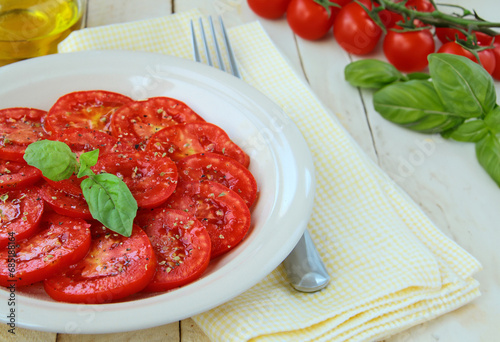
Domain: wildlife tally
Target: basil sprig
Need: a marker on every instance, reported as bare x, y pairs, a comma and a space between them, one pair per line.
457, 100
108, 197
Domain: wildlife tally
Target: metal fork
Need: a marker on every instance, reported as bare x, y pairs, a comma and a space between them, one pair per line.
305, 270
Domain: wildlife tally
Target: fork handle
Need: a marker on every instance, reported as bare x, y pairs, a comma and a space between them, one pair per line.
305, 270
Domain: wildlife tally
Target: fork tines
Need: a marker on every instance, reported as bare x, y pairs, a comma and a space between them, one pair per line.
227, 45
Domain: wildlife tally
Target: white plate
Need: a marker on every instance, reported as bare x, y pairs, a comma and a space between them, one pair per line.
280, 161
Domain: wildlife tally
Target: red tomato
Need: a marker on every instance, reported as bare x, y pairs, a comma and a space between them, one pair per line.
150, 176
496, 53
269, 9
85, 109
408, 51
19, 127
218, 168
183, 140
355, 31
420, 5
17, 175
64, 203
114, 267
487, 57
20, 213
62, 241
309, 20
139, 120
446, 34
220, 210
181, 244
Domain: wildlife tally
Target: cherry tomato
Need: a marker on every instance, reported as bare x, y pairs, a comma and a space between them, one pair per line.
487, 57
420, 5
17, 175
408, 51
19, 127
355, 31
65, 203
218, 168
86, 109
61, 241
309, 20
114, 267
447, 34
219, 209
181, 244
179, 141
269, 9
20, 213
496, 53
139, 120
150, 176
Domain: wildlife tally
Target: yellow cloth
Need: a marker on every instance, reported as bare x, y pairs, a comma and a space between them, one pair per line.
391, 267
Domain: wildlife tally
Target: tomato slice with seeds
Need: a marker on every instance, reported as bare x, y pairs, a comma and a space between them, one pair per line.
20, 213
137, 121
62, 241
64, 203
222, 211
91, 109
19, 127
183, 140
181, 244
221, 169
17, 175
150, 176
115, 267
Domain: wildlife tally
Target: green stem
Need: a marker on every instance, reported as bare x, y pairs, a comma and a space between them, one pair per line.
440, 19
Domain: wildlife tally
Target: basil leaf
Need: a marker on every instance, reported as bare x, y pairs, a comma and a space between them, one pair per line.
416, 106
54, 158
470, 131
87, 160
488, 155
465, 88
371, 73
492, 120
418, 76
110, 202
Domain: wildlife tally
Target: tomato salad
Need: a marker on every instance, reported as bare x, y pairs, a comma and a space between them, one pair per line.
191, 182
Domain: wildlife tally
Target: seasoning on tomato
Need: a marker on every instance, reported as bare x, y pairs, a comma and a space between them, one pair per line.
17, 175
19, 127
61, 241
137, 121
91, 109
181, 244
115, 267
151, 177
183, 140
221, 169
222, 211
64, 203
20, 213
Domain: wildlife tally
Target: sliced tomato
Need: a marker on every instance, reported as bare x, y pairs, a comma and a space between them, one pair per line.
221, 169
20, 213
115, 267
91, 109
139, 120
222, 211
19, 127
62, 241
183, 140
150, 176
17, 175
181, 244
65, 203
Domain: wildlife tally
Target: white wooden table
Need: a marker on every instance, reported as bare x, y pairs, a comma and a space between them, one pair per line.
443, 177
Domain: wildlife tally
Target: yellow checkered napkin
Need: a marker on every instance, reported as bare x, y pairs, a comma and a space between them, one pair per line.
391, 267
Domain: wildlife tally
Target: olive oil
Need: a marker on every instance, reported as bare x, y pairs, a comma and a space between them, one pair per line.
30, 28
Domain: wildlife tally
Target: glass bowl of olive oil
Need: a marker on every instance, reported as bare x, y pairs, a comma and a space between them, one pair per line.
31, 28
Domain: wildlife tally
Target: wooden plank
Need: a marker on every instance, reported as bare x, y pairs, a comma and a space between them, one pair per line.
25, 335
191, 332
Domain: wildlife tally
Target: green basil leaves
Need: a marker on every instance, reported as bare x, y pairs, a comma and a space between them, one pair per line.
457, 100
108, 197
